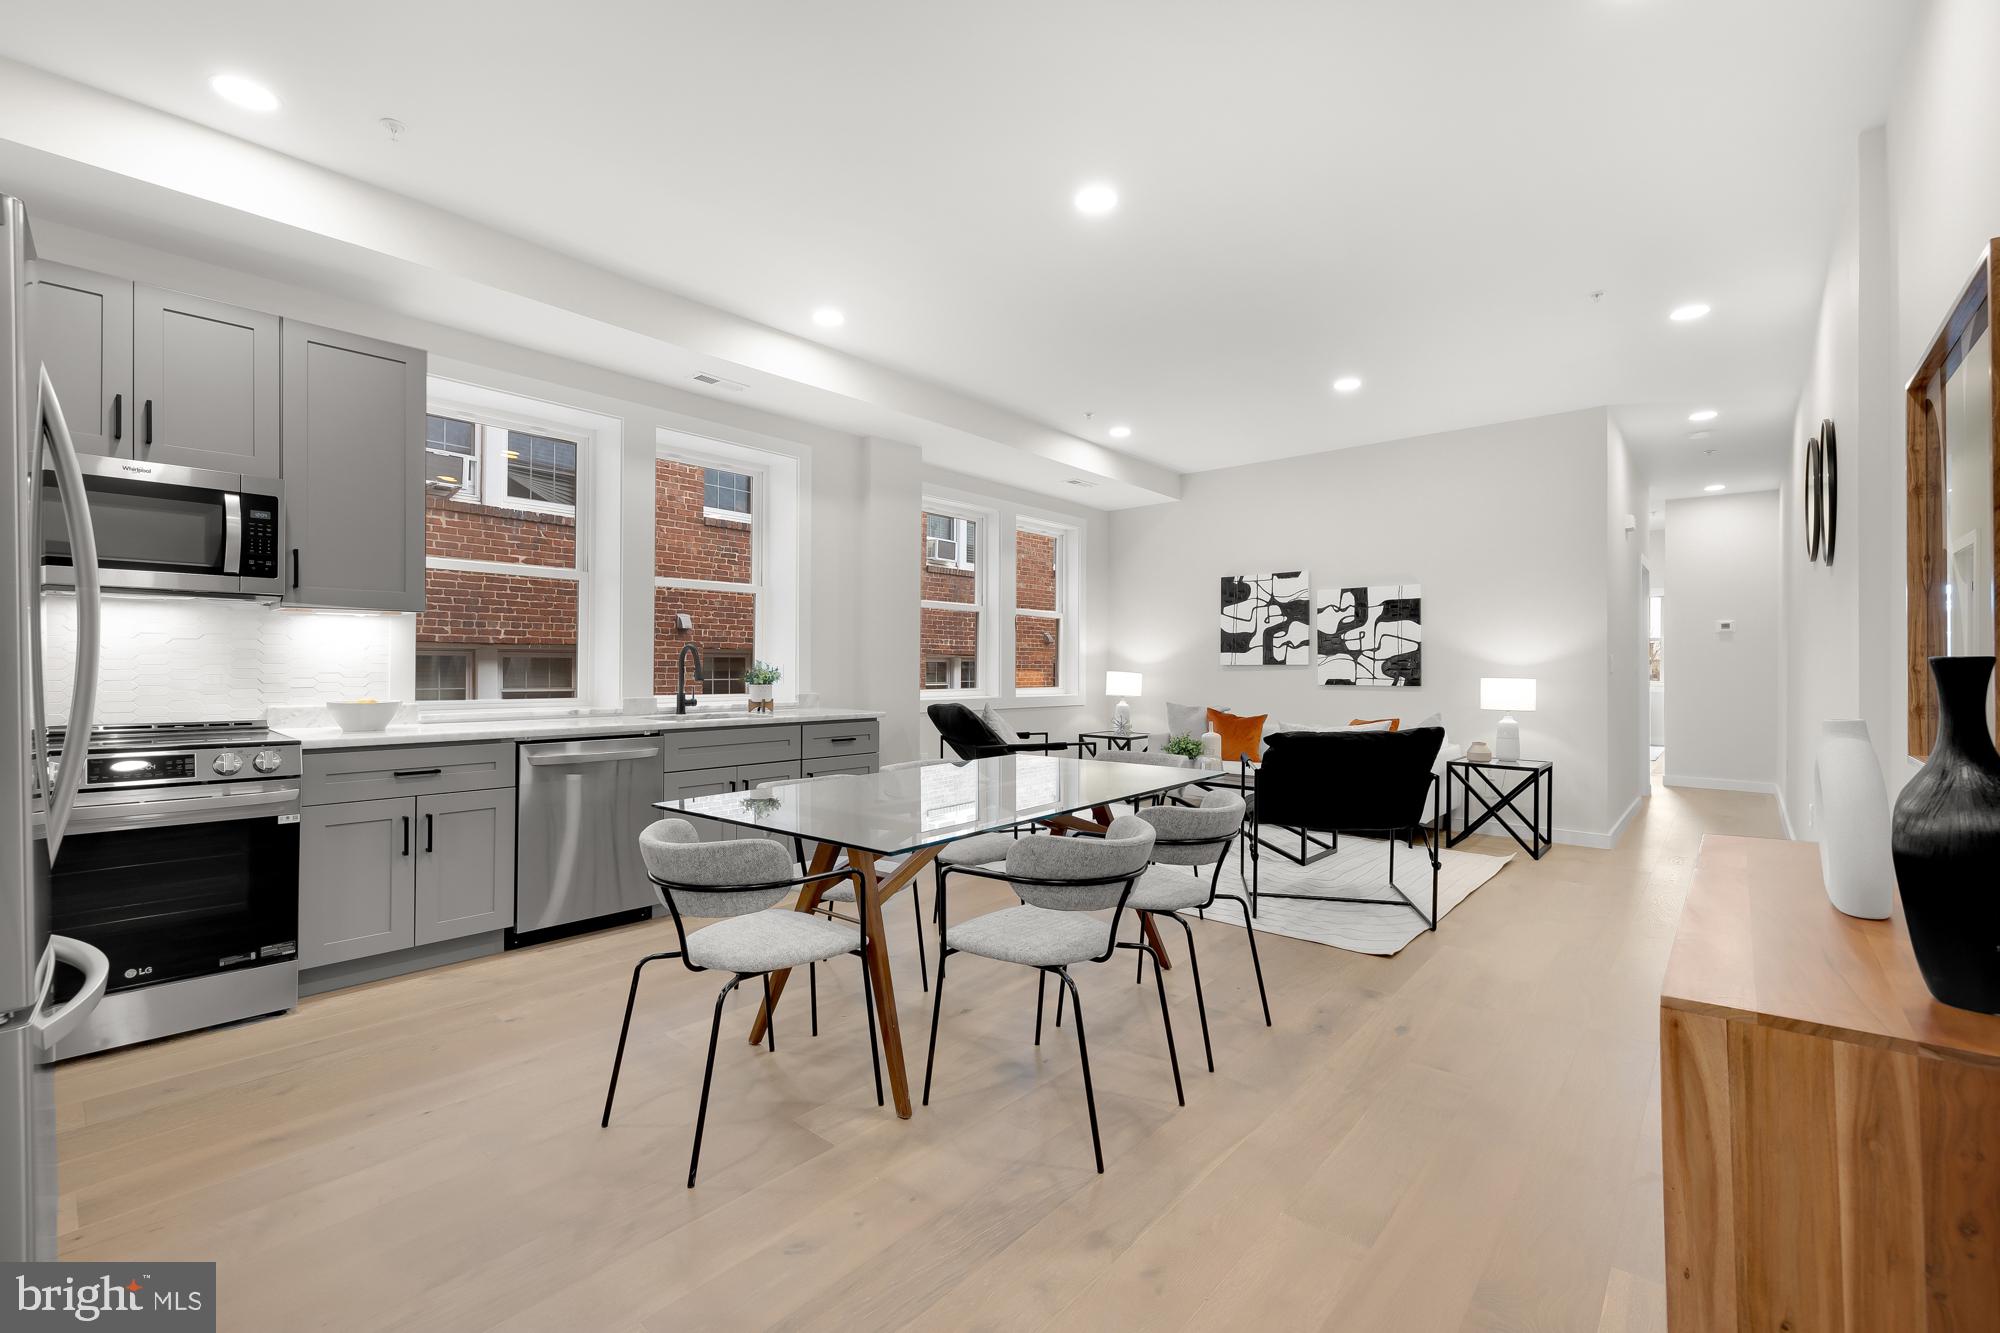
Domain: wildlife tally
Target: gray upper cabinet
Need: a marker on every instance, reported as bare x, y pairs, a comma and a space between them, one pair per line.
354, 470
465, 864
357, 880
83, 331
207, 379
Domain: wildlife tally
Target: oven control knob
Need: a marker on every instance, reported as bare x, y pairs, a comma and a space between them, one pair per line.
267, 761
228, 763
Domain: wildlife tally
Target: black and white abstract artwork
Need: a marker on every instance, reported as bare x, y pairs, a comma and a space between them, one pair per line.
1369, 636
1267, 619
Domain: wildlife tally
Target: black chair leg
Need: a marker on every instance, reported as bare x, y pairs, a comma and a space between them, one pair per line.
1167, 1021
771, 1015
1041, 998
1139, 962
812, 989
708, 1077
868, 1004
937, 1007
1252, 935
618, 1060
1200, 1004
1083, 1053
1061, 995
917, 905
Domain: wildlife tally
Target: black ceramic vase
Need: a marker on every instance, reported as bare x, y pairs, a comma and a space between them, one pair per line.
1947, 844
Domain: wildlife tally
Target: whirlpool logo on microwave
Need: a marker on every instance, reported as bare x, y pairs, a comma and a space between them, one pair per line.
169, 1297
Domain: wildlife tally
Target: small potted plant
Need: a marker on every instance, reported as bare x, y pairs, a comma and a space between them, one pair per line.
1186, 746
757, 683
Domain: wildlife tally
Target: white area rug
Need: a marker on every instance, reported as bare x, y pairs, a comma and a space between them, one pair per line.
1360, 869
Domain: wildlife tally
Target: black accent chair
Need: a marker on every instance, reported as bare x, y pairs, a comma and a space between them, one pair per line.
1334, 782
970, 738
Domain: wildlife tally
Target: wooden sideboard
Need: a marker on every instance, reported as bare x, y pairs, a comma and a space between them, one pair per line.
1831, 1134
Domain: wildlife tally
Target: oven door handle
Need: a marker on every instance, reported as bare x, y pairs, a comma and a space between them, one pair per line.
194, 810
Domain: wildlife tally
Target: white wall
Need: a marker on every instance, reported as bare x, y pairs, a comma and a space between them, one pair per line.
1504, 527
1628, 775
1723, 728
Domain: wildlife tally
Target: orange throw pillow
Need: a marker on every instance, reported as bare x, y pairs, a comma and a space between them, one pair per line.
1394, 722
1242, 737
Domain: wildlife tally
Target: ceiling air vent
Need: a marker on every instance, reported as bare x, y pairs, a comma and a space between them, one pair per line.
1079, 481
716, 381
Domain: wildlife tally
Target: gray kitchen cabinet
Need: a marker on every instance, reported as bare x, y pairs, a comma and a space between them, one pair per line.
357, 880
701, 782
83, 329
465, 864
826, 768
354, 470
207, 379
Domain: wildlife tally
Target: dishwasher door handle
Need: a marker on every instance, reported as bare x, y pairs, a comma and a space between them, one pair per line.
559, 759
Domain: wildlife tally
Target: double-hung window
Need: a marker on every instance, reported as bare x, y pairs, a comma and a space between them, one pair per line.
953, 628
1043, 640
708, 568
501, 526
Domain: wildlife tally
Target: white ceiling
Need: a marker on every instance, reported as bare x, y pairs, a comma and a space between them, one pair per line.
1423, 193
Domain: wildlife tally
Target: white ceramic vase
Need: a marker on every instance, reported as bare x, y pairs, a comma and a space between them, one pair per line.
1851, 816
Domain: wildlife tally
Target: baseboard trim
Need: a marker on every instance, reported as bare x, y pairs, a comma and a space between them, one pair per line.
1784, 815
1721, 784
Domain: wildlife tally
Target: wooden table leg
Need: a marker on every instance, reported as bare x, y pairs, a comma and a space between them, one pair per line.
1153, 938
875, 954
809, 896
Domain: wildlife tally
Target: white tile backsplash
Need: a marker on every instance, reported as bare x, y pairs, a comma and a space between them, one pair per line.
191, 659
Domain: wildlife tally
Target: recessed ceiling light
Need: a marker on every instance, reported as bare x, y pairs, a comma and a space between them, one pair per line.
1713, 489
1706, 414
244, 92
828, 317
1096, 199
1686, 314
1347, 384
1120, 432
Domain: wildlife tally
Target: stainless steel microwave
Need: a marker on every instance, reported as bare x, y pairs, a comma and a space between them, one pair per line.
162, 528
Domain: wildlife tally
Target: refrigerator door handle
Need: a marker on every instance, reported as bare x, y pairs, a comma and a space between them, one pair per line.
54, 1025
83, 557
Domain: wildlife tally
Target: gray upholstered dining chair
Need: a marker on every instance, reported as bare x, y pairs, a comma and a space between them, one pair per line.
737, 881
1062, 883
1196, 836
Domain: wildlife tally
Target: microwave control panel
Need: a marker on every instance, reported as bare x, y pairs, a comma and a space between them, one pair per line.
260, 537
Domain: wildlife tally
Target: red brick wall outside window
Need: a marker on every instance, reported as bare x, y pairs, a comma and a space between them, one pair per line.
1037, 639
466, 612
689, 544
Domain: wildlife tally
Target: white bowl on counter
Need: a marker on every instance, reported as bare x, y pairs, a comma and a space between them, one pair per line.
352, 717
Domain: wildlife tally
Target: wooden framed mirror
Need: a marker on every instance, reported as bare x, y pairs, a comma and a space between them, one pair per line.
1952, 454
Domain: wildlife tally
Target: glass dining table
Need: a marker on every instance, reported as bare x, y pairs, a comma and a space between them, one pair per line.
909, 815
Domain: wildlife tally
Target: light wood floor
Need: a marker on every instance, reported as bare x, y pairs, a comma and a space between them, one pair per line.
1465, 1137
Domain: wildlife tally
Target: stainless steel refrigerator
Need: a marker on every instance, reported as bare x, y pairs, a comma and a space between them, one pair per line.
35, 803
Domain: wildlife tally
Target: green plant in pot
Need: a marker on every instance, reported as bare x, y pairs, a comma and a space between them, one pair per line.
1186, 746
757, 683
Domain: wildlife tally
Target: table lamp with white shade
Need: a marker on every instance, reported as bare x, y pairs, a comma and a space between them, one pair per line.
1125, 685
1507, 695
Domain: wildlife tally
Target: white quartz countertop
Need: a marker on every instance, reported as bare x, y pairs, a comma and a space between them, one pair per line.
556, 728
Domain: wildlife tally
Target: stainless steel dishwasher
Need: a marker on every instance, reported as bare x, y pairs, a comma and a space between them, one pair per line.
582, 805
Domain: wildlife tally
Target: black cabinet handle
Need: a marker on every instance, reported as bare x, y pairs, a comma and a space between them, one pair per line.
428, 830
295, 566
406, 835
146, 424
417, 772
117, 416
842, 740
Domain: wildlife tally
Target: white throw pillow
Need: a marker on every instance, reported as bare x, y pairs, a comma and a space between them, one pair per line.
999, 724
1434, 720
1186, 720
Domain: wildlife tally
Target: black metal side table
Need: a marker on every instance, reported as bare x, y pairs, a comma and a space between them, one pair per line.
1528, 777
1112, 740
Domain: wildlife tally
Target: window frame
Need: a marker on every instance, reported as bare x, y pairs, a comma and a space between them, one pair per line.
778, 629
499, 411
1067, 668
985, 641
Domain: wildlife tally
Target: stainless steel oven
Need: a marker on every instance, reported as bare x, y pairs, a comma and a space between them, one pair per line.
182, 866
162, 528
